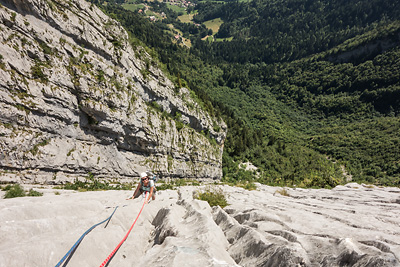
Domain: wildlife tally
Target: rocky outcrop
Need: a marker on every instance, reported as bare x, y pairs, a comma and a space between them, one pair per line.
77, 98
352, 225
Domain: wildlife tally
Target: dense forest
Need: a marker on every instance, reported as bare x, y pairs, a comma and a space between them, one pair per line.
310, 90
272, 31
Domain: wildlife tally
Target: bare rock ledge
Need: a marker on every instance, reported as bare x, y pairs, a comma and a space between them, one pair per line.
352, 225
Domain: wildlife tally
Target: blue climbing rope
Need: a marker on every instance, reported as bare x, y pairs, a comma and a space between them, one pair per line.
74, 247
111, 256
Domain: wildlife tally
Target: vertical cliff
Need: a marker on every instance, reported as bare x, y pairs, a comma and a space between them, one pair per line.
77, 98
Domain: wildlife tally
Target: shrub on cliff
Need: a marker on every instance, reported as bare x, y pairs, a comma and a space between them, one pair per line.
213, 195
34, 193
14, 191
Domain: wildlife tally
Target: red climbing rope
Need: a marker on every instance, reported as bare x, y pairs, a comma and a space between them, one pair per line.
105, 263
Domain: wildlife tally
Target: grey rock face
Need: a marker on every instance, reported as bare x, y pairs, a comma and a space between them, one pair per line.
77, 98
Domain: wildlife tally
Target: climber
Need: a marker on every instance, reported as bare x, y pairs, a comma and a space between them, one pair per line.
145, 185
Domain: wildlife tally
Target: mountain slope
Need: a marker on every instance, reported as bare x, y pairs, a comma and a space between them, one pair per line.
306, 105
341, 81
282, 31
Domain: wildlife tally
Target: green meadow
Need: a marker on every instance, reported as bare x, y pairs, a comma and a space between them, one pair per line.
133, 7
214, 24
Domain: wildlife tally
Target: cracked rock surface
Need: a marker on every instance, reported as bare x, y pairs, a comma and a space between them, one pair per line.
351, 225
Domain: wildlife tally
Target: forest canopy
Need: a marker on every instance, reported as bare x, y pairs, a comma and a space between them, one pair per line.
310, 90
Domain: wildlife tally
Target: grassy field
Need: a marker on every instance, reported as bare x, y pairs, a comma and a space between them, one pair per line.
176, 8
133, 7
214, 24
187, 42
187, 18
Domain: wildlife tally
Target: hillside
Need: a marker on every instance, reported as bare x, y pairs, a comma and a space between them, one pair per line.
310, 90
283, 31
